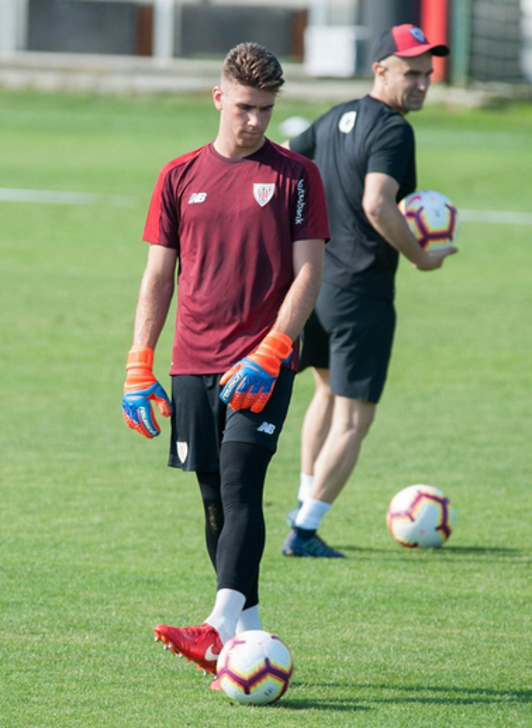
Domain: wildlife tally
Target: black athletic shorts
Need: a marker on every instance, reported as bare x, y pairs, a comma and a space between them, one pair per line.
201, 421
352, 336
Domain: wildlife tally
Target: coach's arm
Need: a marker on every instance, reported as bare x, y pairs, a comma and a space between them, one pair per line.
380, 206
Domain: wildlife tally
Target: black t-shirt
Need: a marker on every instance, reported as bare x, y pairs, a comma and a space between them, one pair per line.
347, 142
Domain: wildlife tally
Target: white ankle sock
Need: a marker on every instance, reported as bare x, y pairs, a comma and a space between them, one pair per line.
305, 486
249, 619
311, 514
226, 613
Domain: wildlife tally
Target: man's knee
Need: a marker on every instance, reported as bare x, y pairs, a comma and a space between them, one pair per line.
322, 383
354, 416
240, 461
365, 418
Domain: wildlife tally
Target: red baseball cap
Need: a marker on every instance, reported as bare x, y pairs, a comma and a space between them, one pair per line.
406, 41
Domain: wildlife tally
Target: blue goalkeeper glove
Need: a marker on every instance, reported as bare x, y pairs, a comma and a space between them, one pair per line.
249, 384
140, 390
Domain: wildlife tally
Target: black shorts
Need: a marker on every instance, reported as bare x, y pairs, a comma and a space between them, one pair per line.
352, 336
201, 421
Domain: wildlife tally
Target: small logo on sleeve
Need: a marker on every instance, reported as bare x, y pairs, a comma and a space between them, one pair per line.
301, 202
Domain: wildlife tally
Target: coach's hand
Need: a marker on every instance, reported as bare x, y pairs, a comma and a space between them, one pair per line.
433, 259
249, 384
140, 390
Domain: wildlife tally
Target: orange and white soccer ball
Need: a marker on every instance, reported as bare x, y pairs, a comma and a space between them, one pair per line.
255, 668
420, 516
432, 218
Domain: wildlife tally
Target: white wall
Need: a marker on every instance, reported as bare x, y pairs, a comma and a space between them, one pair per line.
526, 28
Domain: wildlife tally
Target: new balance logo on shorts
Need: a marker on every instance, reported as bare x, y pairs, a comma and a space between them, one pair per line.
266, 427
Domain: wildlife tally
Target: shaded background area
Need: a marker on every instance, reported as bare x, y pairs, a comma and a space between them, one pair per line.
491, 41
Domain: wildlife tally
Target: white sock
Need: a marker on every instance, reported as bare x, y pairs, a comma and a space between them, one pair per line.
249, 619
305, 486
311, 514
226, 613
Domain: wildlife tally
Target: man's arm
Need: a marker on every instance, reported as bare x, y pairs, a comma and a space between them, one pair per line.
141, 388
155, 296
379, 204
302, 294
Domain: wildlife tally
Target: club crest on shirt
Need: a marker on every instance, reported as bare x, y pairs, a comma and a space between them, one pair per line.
347, 122
263, 192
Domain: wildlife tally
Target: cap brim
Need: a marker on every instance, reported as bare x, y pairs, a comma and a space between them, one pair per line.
436, 50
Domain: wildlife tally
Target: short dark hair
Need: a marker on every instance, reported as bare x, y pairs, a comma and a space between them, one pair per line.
250, 64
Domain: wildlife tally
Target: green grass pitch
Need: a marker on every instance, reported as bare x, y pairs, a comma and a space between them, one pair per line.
100, 540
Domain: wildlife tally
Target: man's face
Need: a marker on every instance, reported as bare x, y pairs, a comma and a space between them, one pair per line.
245, 113
405, 81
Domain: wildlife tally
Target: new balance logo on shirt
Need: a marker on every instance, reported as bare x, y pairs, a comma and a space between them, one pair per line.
266, 427
196, 197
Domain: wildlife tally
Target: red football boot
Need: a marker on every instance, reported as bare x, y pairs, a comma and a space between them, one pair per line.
201, 644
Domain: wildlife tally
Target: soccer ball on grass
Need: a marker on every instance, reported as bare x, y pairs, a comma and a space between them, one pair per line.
420, 516
255, 668
432, 218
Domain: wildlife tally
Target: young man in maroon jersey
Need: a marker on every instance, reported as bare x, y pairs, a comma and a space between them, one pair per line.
244, 222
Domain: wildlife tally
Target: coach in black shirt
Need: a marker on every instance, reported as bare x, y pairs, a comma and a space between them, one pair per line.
365, 151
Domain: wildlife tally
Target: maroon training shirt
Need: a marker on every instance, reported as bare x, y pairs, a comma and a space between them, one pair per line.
233, 223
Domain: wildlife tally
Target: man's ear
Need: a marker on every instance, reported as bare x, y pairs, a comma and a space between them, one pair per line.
379, 70
217, 95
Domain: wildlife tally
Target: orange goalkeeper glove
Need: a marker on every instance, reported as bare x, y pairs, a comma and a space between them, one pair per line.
140, 389
249, 384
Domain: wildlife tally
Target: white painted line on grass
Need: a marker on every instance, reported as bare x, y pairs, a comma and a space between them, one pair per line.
496, 216
52, 197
